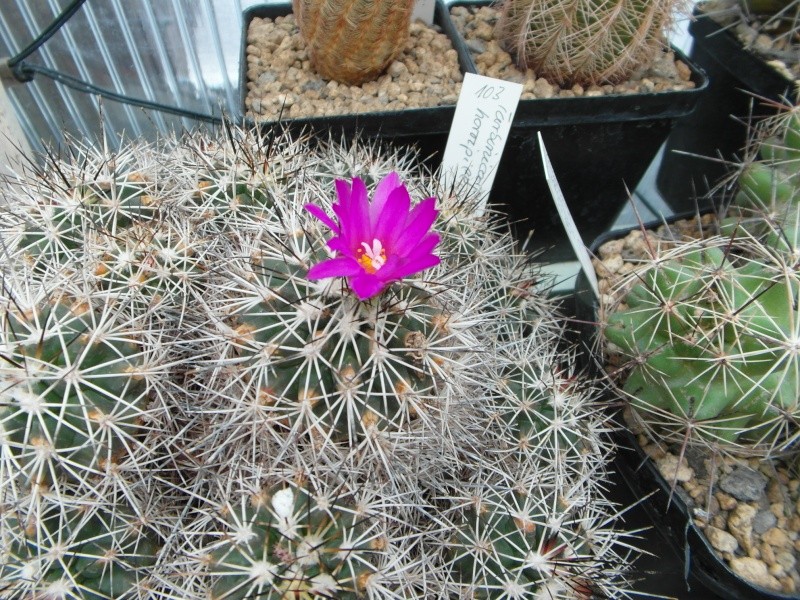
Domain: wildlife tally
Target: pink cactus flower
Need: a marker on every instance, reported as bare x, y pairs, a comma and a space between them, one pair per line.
378, 242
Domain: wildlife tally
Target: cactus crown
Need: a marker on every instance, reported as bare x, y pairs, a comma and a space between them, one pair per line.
583, 41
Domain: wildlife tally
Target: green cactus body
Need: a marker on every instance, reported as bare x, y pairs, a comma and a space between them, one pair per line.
767, 203
714, 356
514, 545
73, 390
353, 41
289, 541
583, 41
70, 552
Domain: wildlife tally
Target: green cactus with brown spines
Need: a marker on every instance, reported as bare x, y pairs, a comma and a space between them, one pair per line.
707, 333
583, 41
353, 41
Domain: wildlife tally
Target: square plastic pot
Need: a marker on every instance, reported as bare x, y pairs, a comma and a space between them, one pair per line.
427, 128
667, 511
739, 84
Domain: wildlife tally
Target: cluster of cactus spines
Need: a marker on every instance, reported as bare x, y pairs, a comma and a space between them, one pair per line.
353, 41
708, 336
767, 199
186, 415
583, 41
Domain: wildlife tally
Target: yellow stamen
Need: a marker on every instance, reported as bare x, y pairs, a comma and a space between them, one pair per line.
371, 258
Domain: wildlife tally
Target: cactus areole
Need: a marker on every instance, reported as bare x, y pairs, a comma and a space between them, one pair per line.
353, 41
377, 242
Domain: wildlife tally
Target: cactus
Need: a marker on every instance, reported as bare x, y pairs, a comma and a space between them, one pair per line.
767, 202
583, 41
353, 41
707, 335
211, 415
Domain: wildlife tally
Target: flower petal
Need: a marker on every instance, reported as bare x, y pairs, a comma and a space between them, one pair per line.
341, 266
358, 216
419, 222
366, 286
381, 195
393, 219
322, 216
415, 265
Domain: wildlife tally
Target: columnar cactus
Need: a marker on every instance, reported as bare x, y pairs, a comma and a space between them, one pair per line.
583, 41
353, 41
708, 338
241, 369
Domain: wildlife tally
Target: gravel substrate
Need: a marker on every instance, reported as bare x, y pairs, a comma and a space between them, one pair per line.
748, 508
279, 75
779, 50
426, 74
477, 27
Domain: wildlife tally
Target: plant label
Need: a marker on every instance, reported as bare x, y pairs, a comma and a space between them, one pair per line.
478, 135
423, 9
573, 234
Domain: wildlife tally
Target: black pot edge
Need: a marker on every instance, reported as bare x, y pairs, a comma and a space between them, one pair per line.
747, 67
670, 514
545, 112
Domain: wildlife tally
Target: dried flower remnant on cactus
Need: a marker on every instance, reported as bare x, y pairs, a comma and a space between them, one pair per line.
377, 242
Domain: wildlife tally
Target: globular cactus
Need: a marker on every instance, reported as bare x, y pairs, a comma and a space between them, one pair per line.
767, 202
242, 368
353, 41
707, 334
583, 41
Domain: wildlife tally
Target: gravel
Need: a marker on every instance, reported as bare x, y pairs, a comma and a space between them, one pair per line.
279, 75
426, 74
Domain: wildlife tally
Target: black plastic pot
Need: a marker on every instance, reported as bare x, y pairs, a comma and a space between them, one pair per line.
427, 128
667, 511
740, 84
599, 146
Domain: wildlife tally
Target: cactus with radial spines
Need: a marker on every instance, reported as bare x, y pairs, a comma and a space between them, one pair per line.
296, 539
353, 41
767, 202
707, 335
255, 374
584, 41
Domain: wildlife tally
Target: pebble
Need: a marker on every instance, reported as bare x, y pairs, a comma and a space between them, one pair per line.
756, 571
744, 484
721, 540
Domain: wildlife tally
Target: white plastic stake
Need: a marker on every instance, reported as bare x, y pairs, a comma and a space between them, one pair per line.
478, 135
573, 234
423, 9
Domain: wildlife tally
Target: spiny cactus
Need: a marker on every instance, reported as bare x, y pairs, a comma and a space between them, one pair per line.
192, 409
353, 41
583, 41
708, 337
767, 203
